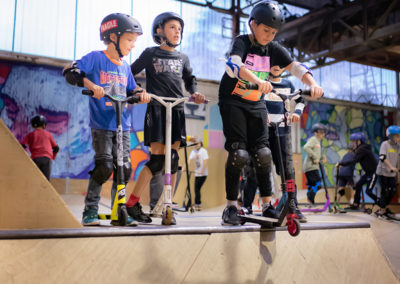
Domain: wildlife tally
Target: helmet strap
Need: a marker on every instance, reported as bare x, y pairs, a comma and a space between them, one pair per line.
164, 38
117, 47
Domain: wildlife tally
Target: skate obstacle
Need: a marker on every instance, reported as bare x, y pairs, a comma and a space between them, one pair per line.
27, 199
335, 253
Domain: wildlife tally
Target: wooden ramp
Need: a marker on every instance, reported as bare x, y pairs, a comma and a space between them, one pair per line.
324, 254
27, 199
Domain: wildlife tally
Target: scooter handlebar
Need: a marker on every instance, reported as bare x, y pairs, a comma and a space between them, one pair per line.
252, 86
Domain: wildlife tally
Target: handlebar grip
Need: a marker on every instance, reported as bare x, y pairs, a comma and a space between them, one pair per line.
133, 99
251, 86
191, 99
87, 92
305, 92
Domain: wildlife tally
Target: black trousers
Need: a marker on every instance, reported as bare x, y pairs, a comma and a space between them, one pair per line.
44, 164
198, 183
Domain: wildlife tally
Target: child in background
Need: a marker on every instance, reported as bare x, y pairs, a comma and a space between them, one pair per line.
200, 157
101, 72
41, 144
389, 156
313, 158
346, 174
363, 155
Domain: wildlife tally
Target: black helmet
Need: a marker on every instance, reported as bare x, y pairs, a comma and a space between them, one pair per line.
318, 126
119, 24
38, 120
159, 22
267, 13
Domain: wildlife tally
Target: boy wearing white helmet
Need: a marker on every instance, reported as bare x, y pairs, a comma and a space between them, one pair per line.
101, 72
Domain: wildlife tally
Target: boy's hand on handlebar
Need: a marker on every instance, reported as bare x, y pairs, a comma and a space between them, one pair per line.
98, 92
198, 98
264, 86
316, 91
294, 117
145, 98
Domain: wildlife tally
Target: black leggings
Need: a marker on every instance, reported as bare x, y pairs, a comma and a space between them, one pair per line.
198, 183
388, 190
44, 164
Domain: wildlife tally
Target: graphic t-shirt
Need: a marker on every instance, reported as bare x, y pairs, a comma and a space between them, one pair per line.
116, 79
40, 143
165, 71
392, 153
258, 60
199, 156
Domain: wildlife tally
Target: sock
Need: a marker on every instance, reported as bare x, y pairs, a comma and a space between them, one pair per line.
231, 202
133, 199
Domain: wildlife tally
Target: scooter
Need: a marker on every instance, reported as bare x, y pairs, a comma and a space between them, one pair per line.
336, 206
288, 186
119, 213
163, 207
327, 203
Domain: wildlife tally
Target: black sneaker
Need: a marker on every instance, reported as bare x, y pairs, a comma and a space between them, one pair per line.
230, 216
137, 213
302, 218
388, 212
269, 211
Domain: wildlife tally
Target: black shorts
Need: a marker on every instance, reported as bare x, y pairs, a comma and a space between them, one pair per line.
343, 181
244, 126
154, 125
313, 177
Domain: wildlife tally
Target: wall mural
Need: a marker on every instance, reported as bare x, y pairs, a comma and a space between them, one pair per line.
28, 90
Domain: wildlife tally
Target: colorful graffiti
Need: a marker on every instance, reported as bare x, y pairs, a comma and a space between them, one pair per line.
27, 90
341, 121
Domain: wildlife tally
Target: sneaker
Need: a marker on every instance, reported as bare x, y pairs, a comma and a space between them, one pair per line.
230, 216
197, 207
354, 206
90, 218
302, 218
131, 222
173, 221
269, 211
137, 213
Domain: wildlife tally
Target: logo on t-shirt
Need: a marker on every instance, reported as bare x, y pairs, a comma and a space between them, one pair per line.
168, 65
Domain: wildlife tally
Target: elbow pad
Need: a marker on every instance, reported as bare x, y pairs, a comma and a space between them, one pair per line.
382, 157
73, 75
232, 66
299, 70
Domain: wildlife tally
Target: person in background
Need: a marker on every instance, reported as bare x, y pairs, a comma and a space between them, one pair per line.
41, 144
200, 157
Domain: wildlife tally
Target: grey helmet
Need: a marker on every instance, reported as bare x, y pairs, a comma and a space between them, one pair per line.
160, 21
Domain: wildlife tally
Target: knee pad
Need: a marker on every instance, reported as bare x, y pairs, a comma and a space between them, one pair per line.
341, 192
316, 187
237, 159
127, 170
102, 170
174, 161
262, 158
156, 163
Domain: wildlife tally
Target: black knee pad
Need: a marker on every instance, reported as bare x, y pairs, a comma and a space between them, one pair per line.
262, 158
174, 161
341, 192
127, 170
237, 159
102, 170
156, 163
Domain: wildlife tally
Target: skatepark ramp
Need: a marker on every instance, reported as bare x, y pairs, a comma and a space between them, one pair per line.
27, 199
320, 254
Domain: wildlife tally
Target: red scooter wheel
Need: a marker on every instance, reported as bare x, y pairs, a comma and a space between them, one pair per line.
294, 228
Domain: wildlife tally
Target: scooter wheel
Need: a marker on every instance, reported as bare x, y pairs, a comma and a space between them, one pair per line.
122, 215
294, 228
191, 209
167, 216
368, 211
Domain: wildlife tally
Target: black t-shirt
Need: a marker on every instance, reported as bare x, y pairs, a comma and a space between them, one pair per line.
165, 71
258, 60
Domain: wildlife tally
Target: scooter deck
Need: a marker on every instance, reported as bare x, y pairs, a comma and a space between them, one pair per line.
263, 221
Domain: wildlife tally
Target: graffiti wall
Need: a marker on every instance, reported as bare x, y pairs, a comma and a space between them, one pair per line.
342, 121
28, 90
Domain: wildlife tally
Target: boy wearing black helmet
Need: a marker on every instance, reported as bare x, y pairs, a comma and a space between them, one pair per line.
363, 155
101, 72
41, 144
313, 158
243, 111
166, 68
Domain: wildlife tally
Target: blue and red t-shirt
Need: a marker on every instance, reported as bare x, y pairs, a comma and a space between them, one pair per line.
114, 77
40, 143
